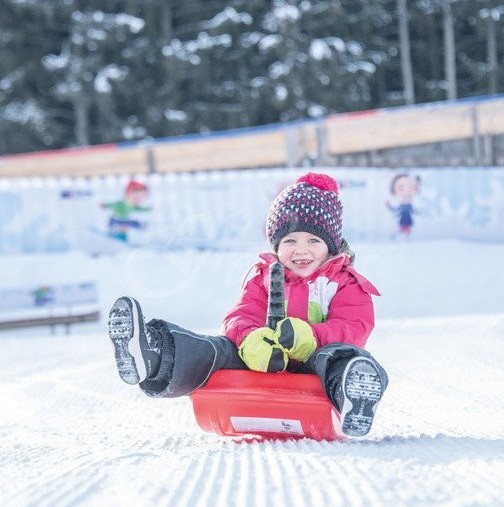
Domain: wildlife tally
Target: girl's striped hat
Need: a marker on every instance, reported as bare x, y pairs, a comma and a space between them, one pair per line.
311, 205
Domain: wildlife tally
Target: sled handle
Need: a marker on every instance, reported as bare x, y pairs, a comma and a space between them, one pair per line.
276, 308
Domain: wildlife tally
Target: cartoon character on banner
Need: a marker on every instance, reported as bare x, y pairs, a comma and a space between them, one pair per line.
121, 220
404, 188
43, 295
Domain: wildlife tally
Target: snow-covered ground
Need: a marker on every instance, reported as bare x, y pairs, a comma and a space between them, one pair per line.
73, 434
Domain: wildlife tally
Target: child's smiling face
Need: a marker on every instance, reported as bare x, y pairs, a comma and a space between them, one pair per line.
302, 252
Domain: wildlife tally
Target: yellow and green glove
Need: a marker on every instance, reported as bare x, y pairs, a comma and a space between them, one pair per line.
269, 350
295, 337
260, 352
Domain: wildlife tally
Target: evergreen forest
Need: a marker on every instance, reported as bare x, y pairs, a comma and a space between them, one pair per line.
86, 72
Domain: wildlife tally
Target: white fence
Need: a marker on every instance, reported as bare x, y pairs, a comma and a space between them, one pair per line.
227, 210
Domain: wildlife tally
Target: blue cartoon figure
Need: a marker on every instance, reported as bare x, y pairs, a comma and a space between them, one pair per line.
122, 220
404, 188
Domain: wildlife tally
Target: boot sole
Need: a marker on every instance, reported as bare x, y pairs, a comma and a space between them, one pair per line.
362, 390
123, 329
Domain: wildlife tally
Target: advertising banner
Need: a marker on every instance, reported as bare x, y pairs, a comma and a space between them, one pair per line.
227, 210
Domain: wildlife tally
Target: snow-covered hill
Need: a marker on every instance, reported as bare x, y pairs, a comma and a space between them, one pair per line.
73, 434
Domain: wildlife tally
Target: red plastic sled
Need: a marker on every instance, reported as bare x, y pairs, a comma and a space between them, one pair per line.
266, 405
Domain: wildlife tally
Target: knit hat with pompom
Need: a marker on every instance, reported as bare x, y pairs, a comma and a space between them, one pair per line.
311, 205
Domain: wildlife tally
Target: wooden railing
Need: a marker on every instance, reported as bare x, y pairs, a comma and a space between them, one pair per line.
281, 145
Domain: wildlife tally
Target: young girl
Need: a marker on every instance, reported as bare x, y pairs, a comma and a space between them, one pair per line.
329, 317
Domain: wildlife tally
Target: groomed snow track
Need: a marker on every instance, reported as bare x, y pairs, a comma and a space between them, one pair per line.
72, 434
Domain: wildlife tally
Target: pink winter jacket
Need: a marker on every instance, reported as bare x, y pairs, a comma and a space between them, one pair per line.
335, 300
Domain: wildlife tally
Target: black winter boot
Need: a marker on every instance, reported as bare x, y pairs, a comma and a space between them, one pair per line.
354, 382
137, 353
187, 360
358, 393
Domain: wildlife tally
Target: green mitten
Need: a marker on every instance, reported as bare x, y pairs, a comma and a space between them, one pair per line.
260, 352
295, 337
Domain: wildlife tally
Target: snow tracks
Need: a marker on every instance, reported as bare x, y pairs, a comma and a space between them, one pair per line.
72, 434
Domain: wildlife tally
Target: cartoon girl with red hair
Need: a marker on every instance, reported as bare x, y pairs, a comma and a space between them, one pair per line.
120, 221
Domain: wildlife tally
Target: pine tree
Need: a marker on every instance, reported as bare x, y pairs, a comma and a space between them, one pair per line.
76, 72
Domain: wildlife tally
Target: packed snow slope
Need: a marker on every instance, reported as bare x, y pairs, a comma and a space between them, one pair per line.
72, 434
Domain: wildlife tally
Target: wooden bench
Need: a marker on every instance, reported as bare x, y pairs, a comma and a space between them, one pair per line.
49, 305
